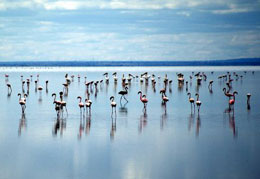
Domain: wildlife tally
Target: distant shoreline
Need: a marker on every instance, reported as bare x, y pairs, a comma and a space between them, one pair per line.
229, 62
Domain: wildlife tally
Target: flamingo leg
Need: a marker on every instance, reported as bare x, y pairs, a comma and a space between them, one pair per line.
125, 98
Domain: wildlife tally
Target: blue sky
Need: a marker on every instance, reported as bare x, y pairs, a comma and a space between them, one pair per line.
129, 29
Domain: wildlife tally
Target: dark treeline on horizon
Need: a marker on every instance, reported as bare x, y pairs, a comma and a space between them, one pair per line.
230, 62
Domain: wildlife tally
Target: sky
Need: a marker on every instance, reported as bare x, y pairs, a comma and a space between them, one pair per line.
35, 30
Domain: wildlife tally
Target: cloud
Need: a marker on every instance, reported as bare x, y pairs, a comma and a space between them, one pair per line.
217, 7
128, 30
115, 46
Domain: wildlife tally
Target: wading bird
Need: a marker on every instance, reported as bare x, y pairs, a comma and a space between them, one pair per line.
57, 104
22, 101
88, 104
143, 99
63, 103
165, 99
113, 103
81, 104
191, 100
198, 102
248, 100
123, 93
9, 88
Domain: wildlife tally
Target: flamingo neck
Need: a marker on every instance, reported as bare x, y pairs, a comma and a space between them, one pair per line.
189, 96
141, 96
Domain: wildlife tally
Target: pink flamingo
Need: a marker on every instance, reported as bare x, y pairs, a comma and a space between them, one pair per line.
164, 97
22, 101
143, 99
88, 104
232, 101
81, 104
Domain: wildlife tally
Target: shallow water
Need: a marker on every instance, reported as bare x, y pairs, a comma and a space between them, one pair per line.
166, 142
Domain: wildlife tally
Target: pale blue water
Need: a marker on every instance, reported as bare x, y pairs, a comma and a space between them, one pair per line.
174, 144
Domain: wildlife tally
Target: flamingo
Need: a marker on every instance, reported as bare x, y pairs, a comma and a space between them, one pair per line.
164, 97
46, 82
198, 102
123, 93
232, 101
191, 100
88, 104
36, 84
153, 78
163, 90
180, 77
227, 93
9, 87
40, 88
210, 84
63, 103
65, 87
143, 99
23, 82
57, 104
248, 100
81, 104
106, 77
22, 101
186, 86
28, 85
165, 78
113, 103
129, 79
115, 77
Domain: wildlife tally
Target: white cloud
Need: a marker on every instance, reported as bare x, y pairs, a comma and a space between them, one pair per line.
114, 46
218, 7
184, 13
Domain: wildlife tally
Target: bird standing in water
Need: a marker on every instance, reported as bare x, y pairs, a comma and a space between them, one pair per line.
248, 101
191, 100
9, 88
143, 99
198, 102
232, 101
22, 101
165, 99
113, 104
88, 104
123, 93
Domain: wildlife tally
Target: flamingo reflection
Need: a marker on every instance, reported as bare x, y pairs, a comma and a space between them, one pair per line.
143, 122
59, 126
113, 128
164, 116
22, 124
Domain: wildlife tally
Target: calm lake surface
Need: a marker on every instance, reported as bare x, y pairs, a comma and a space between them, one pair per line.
166, 142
